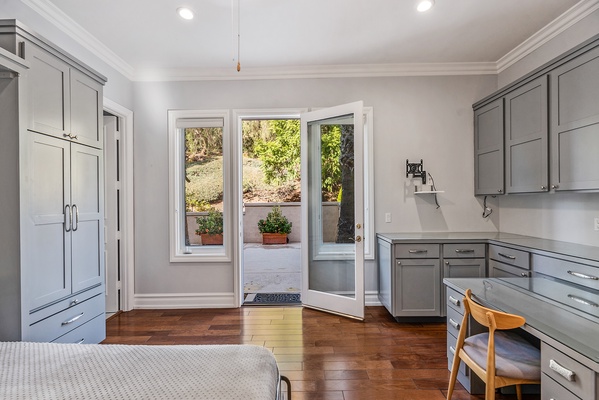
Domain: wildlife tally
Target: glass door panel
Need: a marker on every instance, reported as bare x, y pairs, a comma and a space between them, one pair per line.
332, 210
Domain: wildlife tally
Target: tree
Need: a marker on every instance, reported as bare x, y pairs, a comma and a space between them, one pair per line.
280, 156
346, 222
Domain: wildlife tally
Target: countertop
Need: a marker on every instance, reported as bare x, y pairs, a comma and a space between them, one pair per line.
526, 243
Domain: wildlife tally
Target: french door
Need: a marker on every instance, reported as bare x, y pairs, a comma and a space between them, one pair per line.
333, 229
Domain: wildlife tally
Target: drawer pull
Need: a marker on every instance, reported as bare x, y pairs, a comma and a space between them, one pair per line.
583, 301
81, 341
459, 251
74, 302
70, 321
417, 251
583, 276
563, 371
524, 274
452, 349
454, 301
454, 324
509, 257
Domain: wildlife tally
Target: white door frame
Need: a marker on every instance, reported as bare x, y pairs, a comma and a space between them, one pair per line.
127, 227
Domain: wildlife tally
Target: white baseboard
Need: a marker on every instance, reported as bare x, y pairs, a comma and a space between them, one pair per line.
184, 300
207, 300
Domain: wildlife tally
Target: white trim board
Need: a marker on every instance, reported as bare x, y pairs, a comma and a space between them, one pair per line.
185, 300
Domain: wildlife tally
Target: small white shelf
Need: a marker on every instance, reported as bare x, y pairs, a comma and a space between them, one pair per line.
429, 191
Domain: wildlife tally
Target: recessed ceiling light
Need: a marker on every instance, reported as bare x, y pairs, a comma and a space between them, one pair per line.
185, 13
425, 5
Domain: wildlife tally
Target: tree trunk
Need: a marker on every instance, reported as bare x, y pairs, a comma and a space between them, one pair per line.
346, 222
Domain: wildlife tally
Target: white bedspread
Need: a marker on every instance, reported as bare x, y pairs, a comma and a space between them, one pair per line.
47, 371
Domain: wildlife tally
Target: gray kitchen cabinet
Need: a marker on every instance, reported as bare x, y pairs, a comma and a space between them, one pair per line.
575, 123
52, 286
464, 260
505, 262
417, 287
526, 138
488, 149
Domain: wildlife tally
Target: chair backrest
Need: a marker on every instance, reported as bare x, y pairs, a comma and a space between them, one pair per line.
491, 318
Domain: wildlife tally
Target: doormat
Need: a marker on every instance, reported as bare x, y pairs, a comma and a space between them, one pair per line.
272, 298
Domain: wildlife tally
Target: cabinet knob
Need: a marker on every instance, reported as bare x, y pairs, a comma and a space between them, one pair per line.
543, 187
554, 186
399, 263
524, 274
446, 262
499, 190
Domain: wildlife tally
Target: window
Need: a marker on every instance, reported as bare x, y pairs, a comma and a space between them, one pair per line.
199, 186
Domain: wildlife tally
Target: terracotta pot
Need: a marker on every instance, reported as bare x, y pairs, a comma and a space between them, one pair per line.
274, 238
211, 238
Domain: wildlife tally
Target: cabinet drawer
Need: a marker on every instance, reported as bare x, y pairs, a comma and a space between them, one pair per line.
464, 250
550, 389
509, 256
49, 310
416, 250
558, 366
454, 300
93, 331
501, 270
451, 344
454, 321
581, 274
57, 325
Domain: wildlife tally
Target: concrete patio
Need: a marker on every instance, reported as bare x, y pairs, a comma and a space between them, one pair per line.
272, 268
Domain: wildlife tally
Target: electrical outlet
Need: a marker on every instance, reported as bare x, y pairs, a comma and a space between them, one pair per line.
388, 218
597, 223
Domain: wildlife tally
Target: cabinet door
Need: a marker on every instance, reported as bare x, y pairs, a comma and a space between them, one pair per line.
47, 247
488, 149
464, 268
418, 288
48, 92
86, 109
575, 123
87, 190
526, 138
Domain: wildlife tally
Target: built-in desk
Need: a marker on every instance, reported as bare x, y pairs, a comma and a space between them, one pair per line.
563, 316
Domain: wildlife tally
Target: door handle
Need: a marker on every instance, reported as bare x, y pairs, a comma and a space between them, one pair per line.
358, 238
74, 207
69, 225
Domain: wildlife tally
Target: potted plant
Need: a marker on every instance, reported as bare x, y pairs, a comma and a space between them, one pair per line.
210, 227
275, 227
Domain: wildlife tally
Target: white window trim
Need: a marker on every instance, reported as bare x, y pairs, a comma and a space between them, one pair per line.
178, 250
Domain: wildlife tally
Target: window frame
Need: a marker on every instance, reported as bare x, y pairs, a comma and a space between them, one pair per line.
176, 144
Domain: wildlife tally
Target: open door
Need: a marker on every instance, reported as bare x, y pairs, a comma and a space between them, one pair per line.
332, 234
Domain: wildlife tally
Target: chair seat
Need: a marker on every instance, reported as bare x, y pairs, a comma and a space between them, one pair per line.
514, 356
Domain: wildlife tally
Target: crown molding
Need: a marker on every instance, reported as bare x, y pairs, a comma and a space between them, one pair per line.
548, 32
58, 18
66, 24
320, 71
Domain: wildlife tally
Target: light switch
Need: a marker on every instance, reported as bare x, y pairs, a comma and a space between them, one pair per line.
387, 217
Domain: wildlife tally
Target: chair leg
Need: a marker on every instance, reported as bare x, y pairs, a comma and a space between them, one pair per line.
455, 366
519, 392
489, 391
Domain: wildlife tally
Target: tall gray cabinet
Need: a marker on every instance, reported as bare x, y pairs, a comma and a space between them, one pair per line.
52, 286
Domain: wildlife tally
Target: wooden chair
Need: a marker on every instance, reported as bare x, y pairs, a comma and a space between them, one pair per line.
510, 359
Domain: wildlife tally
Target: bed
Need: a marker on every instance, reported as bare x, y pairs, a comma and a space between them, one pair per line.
51, 371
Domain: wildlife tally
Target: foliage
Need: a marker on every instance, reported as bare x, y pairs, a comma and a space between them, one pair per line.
211, 223
331, 153
204, 185
280, 156
203, 142
275, 222
253, 131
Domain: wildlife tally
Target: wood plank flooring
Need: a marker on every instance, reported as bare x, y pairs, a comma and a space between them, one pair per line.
325, 356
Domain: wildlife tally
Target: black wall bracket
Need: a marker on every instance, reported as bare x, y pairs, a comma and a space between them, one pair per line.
416, 170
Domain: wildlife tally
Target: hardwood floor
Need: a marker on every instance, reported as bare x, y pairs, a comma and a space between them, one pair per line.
325, 356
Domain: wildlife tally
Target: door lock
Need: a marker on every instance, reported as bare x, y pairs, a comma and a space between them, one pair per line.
358, 226
358, 238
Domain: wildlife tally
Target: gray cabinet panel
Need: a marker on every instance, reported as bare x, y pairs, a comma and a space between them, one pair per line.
418, 287
384, 271
464, 268
86, 110
526, 138
488, 149
575, 123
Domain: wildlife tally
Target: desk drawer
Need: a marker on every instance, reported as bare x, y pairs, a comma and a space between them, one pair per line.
451, 345
464, 250
581, 274
454, 300
454, 321
550, 390
416, 250
501, 270
509, 256
558, 366
61, 323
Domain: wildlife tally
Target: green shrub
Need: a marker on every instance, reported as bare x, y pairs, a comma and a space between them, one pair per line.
275, 222
211, 223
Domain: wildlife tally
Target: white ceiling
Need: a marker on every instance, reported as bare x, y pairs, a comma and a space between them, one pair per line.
146, 38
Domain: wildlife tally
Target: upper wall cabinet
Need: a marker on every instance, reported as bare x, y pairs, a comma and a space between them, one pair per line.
488, 149
526, 150
575, 123
543, 128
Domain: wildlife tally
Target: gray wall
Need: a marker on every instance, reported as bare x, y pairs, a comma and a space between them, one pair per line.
414, 117
558, 216
118, 87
